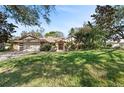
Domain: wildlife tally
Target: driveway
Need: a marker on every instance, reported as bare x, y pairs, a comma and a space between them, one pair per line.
14, 54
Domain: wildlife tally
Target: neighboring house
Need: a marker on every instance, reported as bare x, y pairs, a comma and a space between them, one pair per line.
31, 43
116, 44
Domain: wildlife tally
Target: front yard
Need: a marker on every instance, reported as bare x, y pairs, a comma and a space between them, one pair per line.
77, 68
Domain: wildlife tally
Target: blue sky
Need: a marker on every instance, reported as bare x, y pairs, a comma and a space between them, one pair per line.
65, 17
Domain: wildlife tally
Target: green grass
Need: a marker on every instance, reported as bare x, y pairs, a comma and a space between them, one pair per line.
69, 69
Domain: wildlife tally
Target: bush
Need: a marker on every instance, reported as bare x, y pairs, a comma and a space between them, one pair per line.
109, 45
53, 49
46, 47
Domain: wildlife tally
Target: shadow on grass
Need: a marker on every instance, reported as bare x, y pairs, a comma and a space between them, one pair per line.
93, 69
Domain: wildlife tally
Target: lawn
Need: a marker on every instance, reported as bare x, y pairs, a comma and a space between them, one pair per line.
68, 69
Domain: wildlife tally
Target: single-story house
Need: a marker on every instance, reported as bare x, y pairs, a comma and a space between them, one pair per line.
32, 43
116, 44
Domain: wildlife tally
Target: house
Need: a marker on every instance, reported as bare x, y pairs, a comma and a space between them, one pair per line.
32, 43
116, 44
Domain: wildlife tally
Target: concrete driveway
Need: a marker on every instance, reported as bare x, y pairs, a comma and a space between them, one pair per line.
14, 54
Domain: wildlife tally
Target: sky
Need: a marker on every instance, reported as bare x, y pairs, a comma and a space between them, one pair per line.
64, 18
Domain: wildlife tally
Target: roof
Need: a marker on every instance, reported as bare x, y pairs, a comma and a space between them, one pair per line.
34, 39
28, 36
53, 40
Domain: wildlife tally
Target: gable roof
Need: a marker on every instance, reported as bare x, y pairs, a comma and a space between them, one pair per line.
23, 37
30, 38
53, 40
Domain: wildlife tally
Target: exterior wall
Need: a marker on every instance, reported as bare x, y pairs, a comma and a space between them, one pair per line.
60, 46
31, 46
116, 44
16, 46
27, 46
121, 45
2, 45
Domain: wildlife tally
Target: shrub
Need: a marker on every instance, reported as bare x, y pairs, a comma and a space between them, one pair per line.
53, 49
108, 45
46, 47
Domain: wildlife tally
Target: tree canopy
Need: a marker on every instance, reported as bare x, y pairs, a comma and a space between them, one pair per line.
6, 29
71, 32
28, 14
108, 18
54, 34
37, 33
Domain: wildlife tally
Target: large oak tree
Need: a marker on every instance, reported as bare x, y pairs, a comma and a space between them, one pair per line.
108, 19
30, 15
6, 29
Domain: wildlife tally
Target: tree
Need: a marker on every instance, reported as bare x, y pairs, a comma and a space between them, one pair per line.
88, 37
109, 19
6, 30
105, 19
28, 14
71, 33
37, 33
83, 37
120, 20
98, 37
54, 34
71, 44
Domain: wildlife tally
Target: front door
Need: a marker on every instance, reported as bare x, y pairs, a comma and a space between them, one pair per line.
60, 46
21, 47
